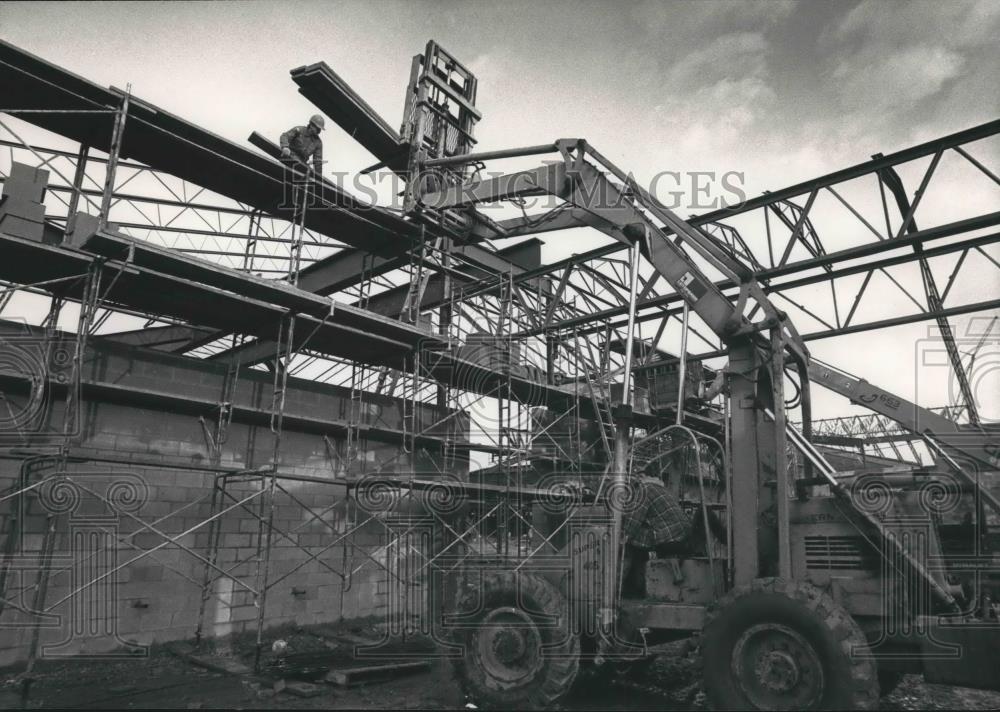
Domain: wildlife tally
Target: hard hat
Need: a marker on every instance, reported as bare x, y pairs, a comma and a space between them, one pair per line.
318, 121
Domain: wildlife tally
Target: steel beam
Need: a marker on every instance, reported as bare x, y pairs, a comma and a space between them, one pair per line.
934, 301
832, 258
160, 338
491, 155
928, 148
972, 308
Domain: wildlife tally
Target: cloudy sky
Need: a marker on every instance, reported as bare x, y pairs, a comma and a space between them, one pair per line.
780, 91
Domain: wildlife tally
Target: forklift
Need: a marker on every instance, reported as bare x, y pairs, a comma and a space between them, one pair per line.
824, 588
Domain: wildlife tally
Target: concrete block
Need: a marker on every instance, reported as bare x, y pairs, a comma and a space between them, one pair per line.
156, 617
33, 524
241, 596
146, 590
244, 613
156, 507
16, 226
31, 542
251, 525
238, 541
186, 617
322, 576
22, 172
18, 189
82, 228
147, 540
186, 540
285, 525
329, 592
246, 554
230, 523
175, 598
312, 540
227, 556
241, 626
138, 572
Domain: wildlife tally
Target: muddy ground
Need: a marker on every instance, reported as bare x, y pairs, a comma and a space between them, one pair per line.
165, 678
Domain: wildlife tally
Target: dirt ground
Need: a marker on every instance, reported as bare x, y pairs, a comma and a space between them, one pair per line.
166, 679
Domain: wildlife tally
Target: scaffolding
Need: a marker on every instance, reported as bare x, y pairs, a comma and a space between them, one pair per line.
516, 365
254, 494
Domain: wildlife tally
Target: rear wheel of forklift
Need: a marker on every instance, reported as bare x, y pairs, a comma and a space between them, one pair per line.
519, 649
785, 645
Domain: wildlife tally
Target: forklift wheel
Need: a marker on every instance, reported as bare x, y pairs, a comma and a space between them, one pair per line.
519, 650
785, 645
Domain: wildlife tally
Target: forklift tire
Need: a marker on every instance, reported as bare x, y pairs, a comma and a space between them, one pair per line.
518, 647
785, 645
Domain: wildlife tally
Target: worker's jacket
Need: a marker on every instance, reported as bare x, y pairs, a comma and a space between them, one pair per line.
653, 517
303, 146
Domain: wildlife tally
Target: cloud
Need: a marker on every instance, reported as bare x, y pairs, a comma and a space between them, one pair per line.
894, 69
955, 24
692, 19
898, 80
738, 54
716, 95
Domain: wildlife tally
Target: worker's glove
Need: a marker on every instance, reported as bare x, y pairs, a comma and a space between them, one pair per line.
286, 152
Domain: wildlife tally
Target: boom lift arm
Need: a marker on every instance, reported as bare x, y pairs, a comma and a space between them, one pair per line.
966, 442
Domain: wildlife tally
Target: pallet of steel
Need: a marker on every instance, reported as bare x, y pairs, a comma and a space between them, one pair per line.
335, 98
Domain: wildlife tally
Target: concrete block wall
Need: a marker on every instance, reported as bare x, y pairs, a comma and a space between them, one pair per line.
161, 478
157, 597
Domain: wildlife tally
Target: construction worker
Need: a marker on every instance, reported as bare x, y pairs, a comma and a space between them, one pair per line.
301, 143
657, 523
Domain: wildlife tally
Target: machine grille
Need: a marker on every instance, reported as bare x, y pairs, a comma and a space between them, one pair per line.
837, 553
